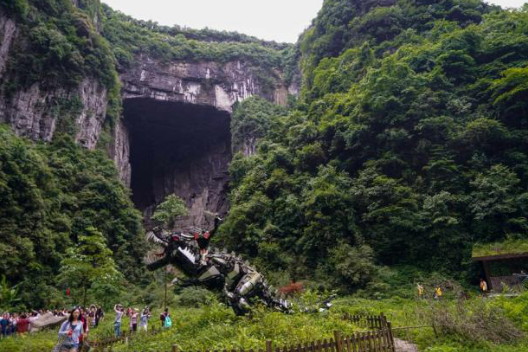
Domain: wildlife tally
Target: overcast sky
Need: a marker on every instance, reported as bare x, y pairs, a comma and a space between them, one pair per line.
279, 20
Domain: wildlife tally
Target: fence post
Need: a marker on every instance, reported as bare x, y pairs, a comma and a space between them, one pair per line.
268, 346
337, 338
391, 337
174, 348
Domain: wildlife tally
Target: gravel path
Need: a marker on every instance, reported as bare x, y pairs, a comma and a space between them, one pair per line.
404, 346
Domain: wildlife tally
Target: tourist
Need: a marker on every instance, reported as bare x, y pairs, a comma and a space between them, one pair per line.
91, 315
133, 319
143, 321
99, 314
118, 309
14, 319
86, 325
420, 289
483, 287
438, 293
4, 323
22, 324
163, 318
72, 331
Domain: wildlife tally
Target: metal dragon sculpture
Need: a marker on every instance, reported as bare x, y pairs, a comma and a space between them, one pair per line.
239, 282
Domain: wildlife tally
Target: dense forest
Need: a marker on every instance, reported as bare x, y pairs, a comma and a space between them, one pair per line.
407, 145
62, 208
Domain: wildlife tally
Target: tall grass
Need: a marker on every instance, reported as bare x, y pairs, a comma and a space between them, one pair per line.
474, 325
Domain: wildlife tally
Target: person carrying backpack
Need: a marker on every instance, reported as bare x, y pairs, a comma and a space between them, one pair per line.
166, 321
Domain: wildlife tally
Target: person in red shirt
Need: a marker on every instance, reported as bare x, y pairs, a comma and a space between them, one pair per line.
22, 324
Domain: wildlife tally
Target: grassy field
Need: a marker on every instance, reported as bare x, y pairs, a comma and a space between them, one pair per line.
474, 325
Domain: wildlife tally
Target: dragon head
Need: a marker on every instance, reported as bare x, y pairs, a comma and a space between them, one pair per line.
169, 243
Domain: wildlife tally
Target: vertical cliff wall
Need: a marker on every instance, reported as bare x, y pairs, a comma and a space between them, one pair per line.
36, 110
173, 136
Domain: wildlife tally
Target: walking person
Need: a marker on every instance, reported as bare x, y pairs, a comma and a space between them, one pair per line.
420, 289
99, 314
118, 309
91, 315
71, 331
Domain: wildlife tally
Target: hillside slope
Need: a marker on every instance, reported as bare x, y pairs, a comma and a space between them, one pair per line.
408, 144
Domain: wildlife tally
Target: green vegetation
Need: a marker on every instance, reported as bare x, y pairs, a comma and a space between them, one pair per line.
52, 196
473, 325
252, 120
55, 195
169, 210
408, 145
89, 264
509, 246
8, 295
130, 38
59, 46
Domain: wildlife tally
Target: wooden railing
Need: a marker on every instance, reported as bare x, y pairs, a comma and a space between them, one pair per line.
368, 321
106, 344
371, 341
379, 339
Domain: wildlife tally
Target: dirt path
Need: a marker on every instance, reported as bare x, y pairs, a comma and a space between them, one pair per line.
404, 346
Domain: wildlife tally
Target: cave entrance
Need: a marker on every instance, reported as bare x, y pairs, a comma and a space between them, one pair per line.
182, 149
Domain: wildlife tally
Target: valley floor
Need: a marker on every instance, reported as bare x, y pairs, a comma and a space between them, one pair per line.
474, 325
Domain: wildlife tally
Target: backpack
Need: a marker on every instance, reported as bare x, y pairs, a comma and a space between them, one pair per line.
168, 322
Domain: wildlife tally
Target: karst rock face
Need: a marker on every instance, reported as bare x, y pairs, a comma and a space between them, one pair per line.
34, 112
174, 135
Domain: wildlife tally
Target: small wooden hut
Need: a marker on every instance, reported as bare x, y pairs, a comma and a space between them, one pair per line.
503, 262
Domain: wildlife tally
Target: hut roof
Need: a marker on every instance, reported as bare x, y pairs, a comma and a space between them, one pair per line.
509, 248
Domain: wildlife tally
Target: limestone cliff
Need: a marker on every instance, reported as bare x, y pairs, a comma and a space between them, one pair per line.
174, 138
193, 99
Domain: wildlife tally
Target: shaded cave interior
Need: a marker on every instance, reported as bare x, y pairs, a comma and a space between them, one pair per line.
182, 149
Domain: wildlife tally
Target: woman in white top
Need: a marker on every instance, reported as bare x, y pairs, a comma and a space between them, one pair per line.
72, 331
143, 320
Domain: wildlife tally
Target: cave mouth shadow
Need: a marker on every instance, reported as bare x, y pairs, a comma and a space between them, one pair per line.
178, 148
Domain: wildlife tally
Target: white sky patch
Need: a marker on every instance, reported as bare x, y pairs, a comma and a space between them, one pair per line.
507, 3
279, 20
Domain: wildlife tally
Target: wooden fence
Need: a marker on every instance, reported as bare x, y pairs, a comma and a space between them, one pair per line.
105, 344
379, 339
368, 321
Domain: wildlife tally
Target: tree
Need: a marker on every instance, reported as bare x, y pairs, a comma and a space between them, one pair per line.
169, 210
8, 295
88, 264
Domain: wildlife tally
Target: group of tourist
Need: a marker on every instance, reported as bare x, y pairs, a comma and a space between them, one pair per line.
437, 292
22, 322
135, 318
